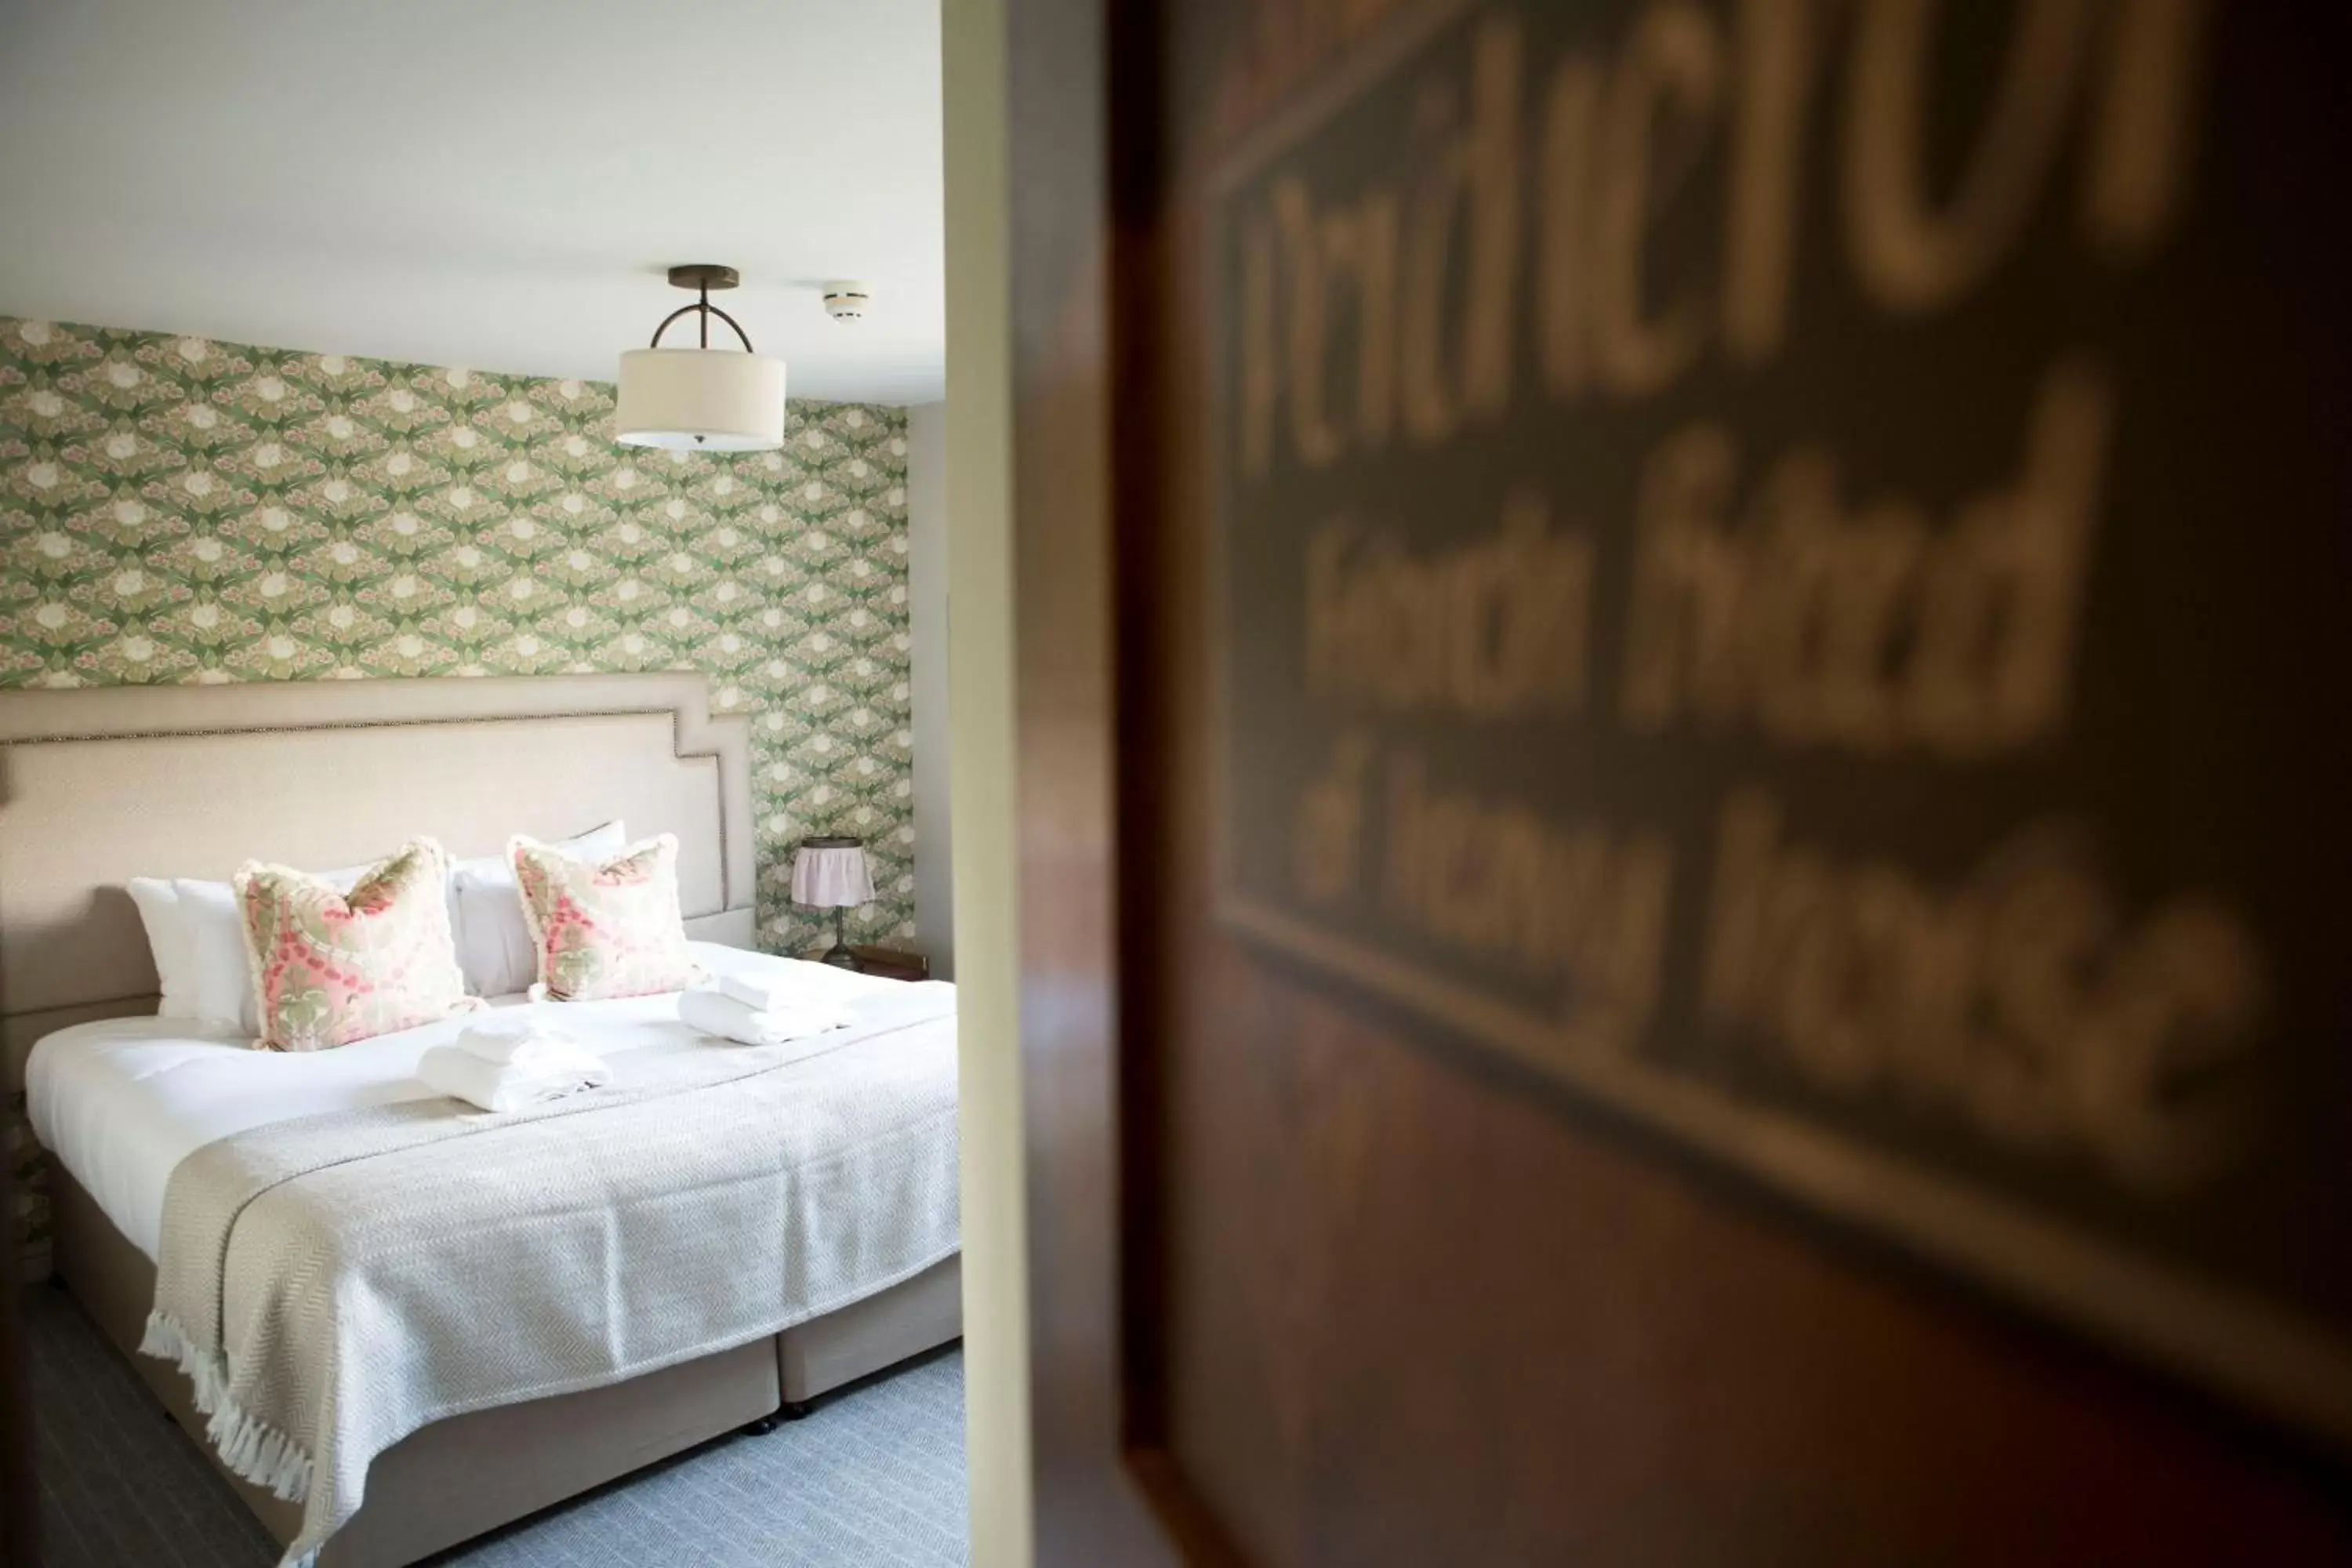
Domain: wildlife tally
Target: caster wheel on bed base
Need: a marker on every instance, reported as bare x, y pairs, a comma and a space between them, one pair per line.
790, 1410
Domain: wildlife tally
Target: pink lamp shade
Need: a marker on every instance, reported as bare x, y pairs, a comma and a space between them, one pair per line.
832, 875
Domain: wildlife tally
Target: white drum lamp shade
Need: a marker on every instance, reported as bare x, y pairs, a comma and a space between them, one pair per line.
700, 400
832, 877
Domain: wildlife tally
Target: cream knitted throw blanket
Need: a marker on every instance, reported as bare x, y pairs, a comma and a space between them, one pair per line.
333, 1283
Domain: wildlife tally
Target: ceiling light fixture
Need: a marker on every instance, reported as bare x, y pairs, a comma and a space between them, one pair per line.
702, 399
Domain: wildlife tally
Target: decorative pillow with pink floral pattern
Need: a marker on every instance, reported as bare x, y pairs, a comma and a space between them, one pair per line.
603, 928
330, 968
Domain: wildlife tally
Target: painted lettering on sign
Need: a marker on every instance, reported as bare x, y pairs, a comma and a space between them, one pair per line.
1664, 502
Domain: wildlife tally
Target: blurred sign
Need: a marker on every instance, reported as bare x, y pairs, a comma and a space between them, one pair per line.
1740, 593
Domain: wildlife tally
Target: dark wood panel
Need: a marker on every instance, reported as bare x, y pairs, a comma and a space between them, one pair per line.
1423, 1316
1323, 1275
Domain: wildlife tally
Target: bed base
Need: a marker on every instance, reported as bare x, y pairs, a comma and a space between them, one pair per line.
458, 1479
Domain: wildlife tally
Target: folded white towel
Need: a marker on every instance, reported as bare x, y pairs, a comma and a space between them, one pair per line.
522, 1041
762, 993
461, 1075
714, 1012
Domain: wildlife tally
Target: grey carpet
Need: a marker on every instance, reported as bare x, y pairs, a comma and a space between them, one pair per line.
875, 1475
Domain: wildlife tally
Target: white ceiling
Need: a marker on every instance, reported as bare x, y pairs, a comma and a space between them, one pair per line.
494, 183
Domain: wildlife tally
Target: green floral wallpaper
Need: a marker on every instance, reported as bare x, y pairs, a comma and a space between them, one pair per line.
174, 509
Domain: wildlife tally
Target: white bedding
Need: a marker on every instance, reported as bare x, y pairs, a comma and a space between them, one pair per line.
122, 1101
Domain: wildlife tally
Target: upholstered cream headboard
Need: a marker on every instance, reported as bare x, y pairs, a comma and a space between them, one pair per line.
101, 785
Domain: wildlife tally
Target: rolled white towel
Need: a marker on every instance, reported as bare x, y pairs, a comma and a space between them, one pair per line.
461, 1075
714, 1012
526, 1041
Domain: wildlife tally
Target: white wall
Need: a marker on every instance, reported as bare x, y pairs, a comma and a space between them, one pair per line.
927, 584
979, 687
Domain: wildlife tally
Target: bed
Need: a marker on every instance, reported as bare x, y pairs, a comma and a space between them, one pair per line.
101, 785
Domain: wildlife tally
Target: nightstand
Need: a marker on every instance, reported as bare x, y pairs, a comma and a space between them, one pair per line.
885, 962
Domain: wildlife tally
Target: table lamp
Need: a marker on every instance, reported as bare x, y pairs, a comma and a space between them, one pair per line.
831, 874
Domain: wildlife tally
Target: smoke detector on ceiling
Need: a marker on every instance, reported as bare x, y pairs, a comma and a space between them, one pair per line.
847, 302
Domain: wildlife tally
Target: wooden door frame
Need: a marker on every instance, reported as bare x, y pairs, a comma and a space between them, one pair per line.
1085, 238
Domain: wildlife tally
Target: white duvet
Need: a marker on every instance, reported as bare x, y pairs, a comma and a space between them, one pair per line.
121, 1103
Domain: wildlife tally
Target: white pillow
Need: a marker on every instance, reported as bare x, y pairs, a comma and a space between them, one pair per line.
159, 911
494, 944
197, 935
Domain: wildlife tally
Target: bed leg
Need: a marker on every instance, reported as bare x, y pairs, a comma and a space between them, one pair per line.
762, 1427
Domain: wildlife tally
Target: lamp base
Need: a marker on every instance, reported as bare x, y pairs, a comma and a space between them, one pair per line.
838, 954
